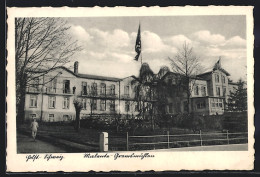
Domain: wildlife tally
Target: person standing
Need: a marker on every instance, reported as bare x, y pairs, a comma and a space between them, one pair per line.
34, 127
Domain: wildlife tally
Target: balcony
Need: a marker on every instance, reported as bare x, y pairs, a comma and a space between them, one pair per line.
96, 95
125, 97
32, 90
111, 96
66, 91
84, 93
51, 90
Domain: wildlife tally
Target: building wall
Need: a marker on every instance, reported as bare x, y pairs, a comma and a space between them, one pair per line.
59, 111
199, 84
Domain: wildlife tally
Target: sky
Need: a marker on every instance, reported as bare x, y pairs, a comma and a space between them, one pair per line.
109, 42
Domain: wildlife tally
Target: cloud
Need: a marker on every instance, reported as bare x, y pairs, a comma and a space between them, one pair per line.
235, 42
205, 37
80, 33
151, 42
115, 39
178, 40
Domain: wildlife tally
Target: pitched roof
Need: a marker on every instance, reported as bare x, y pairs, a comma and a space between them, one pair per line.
172, 73
213, 69
87, 76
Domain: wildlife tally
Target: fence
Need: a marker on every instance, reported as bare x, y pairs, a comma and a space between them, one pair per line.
173, 141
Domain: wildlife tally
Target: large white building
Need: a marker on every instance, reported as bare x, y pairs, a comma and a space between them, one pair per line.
50, 97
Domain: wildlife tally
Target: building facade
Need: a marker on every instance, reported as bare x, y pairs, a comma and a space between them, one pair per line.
209, 93
50, 97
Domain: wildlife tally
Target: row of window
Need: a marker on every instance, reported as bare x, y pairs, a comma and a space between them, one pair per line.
217, 78
201, 105
66, 103
202, 89
51, 117
127, 107
52, 87
216, 102
93, 89
218, 91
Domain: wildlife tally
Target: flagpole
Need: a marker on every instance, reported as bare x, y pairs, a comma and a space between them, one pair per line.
141, 45
141, 58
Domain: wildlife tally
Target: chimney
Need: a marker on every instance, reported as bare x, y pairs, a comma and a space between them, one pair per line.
76, 67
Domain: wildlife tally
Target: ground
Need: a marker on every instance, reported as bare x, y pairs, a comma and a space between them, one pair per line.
26, 144
230, 147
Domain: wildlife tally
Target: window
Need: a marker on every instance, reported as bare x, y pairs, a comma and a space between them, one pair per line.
84, 88
218, 91
52, 85
215, 102
66, 86
220, 103
217, 78
103, 89
203, 91
223, 79
126, 91
52, 101
127, 106
201, 105
102, 105
84, 103
33, 101
94, 104
170, 108
196, 90
51, 117
136, 92
112, 89
66, 103
112, 105
224, 91
94, 89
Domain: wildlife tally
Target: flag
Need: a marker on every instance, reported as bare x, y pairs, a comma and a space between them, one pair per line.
138, 44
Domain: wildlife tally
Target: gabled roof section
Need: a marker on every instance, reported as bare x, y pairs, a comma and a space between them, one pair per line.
217, 66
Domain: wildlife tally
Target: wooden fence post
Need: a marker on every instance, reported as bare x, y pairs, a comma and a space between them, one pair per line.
127, 141
200, 139
227, 137
168, 139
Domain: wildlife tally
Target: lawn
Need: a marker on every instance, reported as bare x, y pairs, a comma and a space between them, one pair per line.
117, 141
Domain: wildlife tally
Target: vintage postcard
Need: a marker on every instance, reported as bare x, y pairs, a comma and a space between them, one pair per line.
128, 89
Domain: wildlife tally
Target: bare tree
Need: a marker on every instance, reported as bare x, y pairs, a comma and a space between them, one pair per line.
186, 64
41, 44
78, 107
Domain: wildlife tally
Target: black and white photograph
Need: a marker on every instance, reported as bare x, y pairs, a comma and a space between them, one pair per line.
131, 86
